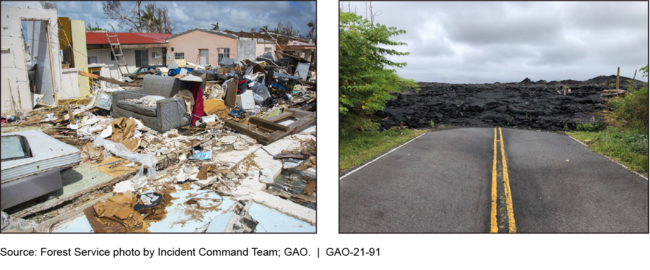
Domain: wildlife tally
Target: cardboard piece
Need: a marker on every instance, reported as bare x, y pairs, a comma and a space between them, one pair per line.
231, 93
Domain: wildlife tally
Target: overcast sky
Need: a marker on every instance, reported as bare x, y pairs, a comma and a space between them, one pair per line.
474, 42
234, 16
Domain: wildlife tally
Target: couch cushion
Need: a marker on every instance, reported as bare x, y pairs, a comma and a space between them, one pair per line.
136, 108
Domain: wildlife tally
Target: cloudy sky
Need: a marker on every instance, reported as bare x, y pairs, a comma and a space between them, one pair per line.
233, 16
473, 42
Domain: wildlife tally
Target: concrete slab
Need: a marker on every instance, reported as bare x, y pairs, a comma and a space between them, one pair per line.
264, 160
272, 221
253, 180
234, 157
219, 223
78, 225
279, 145
182, 217
287, 207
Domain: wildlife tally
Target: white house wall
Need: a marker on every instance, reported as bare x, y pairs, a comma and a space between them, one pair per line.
14, 73
104, 57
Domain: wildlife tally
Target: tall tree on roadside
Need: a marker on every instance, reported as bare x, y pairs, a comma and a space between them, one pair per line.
366, 77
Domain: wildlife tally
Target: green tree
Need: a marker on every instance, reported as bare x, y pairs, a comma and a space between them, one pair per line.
215, 26
312, 28
366, 77
90, 28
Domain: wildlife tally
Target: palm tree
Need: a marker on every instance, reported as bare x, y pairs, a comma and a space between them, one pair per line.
312, 26
152, 23
215, 26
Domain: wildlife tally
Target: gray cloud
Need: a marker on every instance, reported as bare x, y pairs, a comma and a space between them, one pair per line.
485, 42
235, 16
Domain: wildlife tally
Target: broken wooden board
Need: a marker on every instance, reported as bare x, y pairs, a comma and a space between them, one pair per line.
269, 131
76, 101
231, 93
309, 189
257, 135
268, 124
203, 172
113, 81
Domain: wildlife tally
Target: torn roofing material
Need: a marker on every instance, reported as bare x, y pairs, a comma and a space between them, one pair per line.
47, 153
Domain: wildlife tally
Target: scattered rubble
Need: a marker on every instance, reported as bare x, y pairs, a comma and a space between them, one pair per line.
200, 135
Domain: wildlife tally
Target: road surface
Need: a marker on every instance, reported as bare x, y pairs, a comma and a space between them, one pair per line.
492, 180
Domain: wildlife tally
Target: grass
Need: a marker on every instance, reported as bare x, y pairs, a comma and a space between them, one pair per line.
628, 147
358, 147
625, 138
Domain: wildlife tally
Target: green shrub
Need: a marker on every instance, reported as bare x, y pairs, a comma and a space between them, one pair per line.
633, 108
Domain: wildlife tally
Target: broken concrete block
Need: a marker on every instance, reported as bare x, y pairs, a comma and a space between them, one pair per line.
267, 176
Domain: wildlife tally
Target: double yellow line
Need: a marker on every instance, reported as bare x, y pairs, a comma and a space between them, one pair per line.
506, 185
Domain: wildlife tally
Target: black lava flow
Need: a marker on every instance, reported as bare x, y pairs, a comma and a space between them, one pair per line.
527, 104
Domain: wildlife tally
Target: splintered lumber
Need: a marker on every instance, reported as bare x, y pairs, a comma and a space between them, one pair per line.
295, 126
203, 172
257, 135
297, 113
72, 120
303, 198
89, 75
279, 117
309, 189
113, 81
267, 124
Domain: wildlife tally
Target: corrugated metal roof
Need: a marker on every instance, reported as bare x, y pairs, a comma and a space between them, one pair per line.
47, 153
99, 38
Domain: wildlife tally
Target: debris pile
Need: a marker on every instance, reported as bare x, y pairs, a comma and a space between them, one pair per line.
251, 122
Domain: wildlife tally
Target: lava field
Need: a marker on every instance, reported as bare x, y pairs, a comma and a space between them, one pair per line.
531, 105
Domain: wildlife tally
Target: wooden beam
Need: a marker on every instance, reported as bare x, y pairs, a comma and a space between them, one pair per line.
267, 124
259, 136
116, 81
618, 73
90, 75
113, 81
298, 113
279, 117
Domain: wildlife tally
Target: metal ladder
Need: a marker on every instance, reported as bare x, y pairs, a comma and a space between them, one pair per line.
117, 43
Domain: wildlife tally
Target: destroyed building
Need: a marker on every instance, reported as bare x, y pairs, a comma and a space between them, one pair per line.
217, 143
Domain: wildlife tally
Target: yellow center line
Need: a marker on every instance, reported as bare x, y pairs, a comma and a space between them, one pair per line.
506, 183
493, 215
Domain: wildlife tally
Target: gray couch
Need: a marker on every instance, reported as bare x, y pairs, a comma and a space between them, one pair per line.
169, 113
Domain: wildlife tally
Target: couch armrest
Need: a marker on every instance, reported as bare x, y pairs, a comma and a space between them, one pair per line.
171, 112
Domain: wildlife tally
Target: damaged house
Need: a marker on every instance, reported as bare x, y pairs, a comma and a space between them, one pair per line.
139, 49
18, 94
217, 146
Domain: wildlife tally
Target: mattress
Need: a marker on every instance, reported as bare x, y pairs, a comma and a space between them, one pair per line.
47, 154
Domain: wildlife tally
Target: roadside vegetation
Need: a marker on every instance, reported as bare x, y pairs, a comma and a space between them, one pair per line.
625, 137
359, 147
366, 80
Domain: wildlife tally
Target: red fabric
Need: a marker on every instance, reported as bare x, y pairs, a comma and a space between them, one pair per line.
198, 101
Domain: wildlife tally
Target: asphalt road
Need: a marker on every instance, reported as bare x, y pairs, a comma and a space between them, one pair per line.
441, 182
